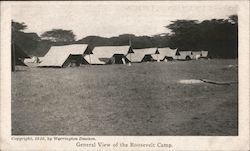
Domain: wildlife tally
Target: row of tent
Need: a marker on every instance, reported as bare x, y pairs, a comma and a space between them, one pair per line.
77, 54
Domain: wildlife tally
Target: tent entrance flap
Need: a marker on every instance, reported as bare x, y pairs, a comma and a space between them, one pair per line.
147, 58
166, 58
74, 60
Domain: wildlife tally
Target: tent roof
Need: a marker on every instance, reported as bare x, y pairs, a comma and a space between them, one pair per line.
57, 55
165, 52
106, 52
183, 53
109, 51
194, 53
41, 58
139, 54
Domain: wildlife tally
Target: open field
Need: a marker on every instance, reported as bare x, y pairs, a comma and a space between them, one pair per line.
142, 99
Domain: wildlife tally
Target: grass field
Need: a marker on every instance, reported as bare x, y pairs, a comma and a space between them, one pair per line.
142, 99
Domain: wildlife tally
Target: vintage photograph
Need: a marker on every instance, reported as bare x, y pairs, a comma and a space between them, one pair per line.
124, 69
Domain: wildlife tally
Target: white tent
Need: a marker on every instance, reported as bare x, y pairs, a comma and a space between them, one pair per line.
199, 54
62, 56
184, 55
108, 54
41, 59
196, 55
204, 54
165, 54
140, 54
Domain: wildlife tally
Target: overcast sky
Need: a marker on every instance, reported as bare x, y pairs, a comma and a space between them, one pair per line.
114, 18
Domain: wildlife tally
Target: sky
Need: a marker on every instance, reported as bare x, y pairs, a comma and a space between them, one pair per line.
112, 18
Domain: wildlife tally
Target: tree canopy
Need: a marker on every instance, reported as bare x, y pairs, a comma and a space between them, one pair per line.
59, 36
125, 39
218, 36
18, 27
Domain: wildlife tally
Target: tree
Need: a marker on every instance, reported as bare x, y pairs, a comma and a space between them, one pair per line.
127, 39
218, 36
59, 36
184, 34
18, 27
17, 54
161, 40
233, 19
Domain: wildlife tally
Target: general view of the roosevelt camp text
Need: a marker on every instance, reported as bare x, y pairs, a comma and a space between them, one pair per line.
124, 69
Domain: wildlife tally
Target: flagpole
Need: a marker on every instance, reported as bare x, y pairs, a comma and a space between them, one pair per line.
13, 63
130, 47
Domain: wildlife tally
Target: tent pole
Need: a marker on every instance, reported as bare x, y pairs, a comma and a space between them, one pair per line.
130, 48
157, 54
89, 58
130, 57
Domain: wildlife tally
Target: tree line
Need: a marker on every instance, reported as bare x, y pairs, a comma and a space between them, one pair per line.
218, 36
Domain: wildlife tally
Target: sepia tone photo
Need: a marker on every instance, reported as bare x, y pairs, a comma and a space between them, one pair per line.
124, 69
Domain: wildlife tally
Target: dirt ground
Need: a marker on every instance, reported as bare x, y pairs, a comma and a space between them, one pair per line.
142, 99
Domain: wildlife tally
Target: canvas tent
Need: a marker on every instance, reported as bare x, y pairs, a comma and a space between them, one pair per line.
40, 59
199, 54
184, 55
142, 55
196, 55
165, 54
109, 55
204, 54
63, 56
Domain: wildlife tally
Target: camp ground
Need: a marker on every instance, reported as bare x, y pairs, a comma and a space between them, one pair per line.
63, 56
165, 54
142, 55
109, 55
142, 99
